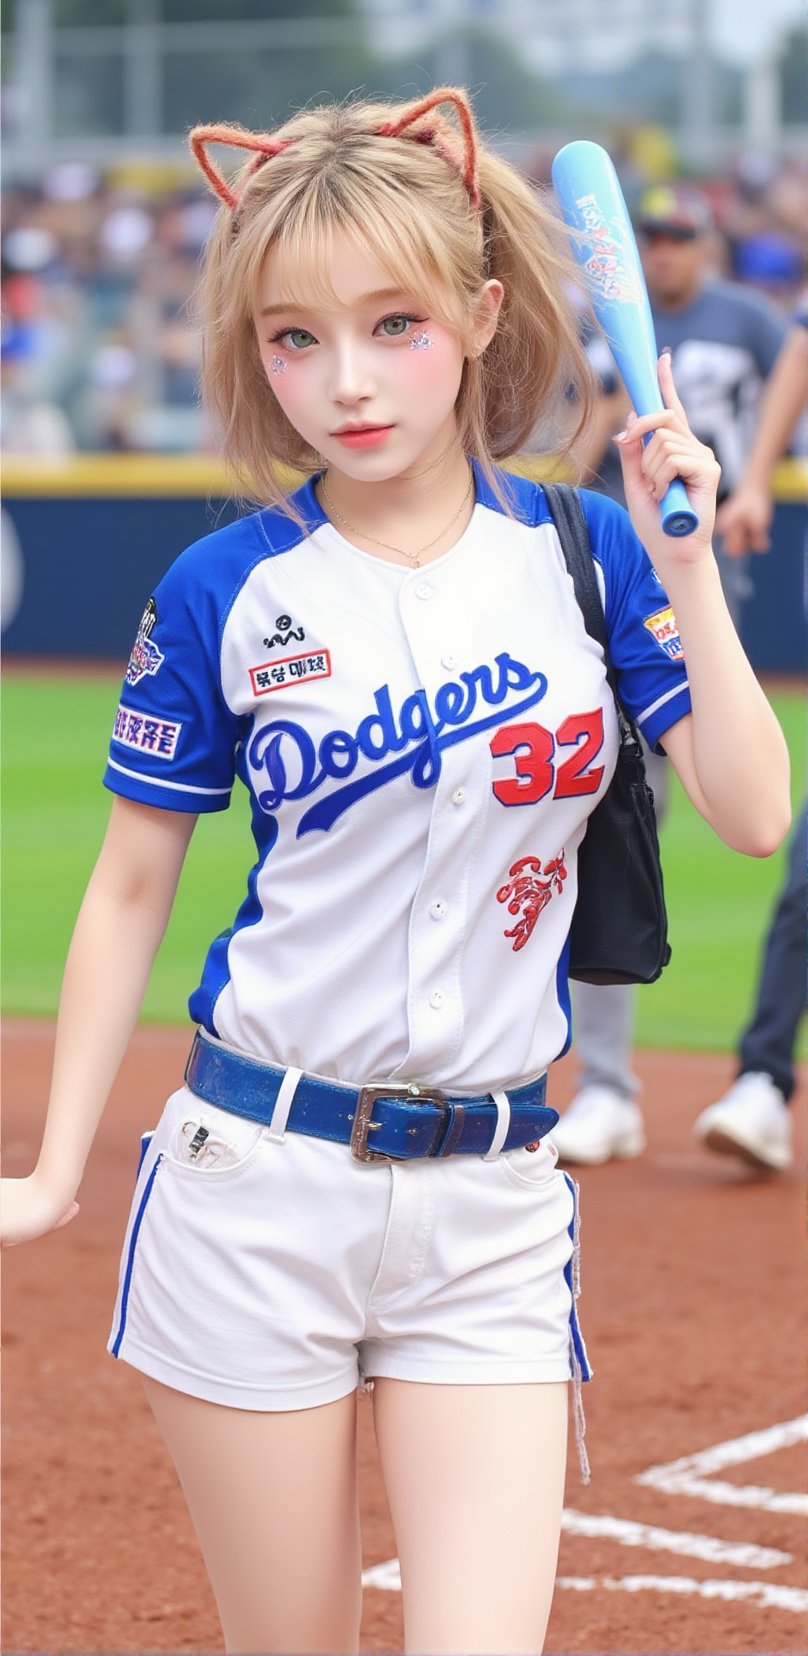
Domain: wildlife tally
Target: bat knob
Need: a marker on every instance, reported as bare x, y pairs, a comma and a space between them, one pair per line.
676, 512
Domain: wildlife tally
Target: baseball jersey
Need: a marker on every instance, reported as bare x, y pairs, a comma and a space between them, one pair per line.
422, 749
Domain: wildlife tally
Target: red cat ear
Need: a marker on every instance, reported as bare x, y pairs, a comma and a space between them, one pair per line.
201, 136
444, 95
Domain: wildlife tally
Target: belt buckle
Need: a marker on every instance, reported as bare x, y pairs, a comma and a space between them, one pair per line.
362, 1123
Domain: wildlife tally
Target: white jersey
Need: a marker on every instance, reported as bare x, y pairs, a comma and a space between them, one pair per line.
422, 749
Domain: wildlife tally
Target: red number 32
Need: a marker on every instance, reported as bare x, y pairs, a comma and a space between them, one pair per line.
534, 756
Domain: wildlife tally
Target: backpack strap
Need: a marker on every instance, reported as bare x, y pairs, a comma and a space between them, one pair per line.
568, 516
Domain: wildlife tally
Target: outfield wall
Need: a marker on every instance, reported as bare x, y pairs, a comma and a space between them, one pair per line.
86, 540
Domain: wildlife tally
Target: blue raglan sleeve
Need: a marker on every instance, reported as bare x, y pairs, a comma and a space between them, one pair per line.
643, 636
174, 738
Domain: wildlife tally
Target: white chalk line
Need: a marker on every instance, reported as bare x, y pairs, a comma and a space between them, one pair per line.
631, 1534
763, 1595
386, 1576
691, 1474
744, 1554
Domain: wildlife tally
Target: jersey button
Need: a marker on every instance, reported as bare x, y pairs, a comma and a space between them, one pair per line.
424, 590
459, 796
437, 999
438, 908
448, 661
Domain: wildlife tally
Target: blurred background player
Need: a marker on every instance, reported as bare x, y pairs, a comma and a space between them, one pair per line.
753, 1120
724, 341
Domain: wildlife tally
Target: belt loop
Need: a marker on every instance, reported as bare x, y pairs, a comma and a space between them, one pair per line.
503, 1123
283, 1104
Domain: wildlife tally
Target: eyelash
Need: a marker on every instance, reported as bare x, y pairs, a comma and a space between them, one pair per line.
394, 316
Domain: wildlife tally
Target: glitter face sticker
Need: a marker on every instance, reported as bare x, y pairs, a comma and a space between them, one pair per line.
278, 365
421, 342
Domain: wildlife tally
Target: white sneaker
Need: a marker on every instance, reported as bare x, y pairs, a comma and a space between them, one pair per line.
598, 1126
752, 1121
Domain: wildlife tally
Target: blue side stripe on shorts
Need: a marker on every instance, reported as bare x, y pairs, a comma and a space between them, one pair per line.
569, 1277
145, 1141
127, 1281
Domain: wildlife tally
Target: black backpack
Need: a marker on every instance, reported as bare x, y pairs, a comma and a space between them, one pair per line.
619, 931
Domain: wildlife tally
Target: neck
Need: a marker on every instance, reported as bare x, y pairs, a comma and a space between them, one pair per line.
406, 511
435, 474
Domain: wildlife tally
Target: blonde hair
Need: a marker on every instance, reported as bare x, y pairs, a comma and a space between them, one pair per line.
444, 214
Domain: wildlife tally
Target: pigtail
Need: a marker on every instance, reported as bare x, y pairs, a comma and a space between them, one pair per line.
535, 371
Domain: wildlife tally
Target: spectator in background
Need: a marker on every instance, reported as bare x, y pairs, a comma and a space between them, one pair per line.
745, 518
752, 1119
30, 343
724, 342
764, 222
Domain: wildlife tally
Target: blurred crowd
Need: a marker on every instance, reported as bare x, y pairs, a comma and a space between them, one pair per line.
99, 352
98, 348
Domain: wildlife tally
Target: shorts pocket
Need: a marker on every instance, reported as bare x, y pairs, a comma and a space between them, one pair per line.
529, 1168
209, 1144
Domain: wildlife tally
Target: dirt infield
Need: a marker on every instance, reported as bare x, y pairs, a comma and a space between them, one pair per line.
692, 1309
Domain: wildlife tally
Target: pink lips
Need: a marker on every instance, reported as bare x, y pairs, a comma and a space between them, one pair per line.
364, 437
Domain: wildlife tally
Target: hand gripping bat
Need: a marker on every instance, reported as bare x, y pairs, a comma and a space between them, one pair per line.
592, 203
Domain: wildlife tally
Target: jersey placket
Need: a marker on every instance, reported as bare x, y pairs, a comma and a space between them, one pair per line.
430, 618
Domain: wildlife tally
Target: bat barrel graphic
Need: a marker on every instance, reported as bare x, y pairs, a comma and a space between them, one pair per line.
593, 206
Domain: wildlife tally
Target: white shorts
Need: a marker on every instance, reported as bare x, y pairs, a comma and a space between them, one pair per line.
270, 1274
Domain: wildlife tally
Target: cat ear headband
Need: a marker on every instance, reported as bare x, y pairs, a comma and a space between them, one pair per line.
265, 146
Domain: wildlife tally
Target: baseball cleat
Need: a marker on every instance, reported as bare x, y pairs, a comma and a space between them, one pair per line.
752, 1121
599, 1125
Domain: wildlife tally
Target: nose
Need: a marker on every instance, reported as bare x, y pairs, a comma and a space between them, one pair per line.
351, 381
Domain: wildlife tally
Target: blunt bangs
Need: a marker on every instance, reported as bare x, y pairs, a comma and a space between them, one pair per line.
413, 254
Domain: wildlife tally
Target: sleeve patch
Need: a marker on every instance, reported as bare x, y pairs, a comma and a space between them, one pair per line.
145, 658
148, 734
662, 626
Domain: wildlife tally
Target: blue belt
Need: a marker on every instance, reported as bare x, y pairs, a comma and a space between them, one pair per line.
406, 1121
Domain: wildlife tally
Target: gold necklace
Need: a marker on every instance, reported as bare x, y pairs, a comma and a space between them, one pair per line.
412, 557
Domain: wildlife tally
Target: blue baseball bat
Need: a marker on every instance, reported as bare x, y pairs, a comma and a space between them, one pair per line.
589, 195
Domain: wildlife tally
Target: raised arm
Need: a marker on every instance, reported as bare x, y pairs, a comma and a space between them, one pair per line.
730, 752
745, 516
119, 929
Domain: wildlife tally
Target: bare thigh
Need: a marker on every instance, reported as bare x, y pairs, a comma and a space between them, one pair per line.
475, 1483
274, 1504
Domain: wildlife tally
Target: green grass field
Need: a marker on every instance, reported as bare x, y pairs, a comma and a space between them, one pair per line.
55, 735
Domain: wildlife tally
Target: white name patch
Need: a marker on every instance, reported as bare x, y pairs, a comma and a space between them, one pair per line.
147, 734
273, 675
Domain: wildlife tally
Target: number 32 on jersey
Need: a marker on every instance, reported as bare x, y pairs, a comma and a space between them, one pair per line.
538, 763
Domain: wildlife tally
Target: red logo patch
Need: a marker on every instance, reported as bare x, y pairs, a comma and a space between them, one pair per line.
526, 892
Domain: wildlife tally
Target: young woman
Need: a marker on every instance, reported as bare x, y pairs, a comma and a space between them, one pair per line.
355, 1183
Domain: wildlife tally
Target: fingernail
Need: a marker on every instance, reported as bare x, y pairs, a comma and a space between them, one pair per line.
619, 436
666, 351
631, 419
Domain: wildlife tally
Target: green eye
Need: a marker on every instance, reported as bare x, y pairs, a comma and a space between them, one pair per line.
395, 325
299, 338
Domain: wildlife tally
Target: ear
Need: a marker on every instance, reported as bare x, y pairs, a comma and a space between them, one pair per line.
489, 302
